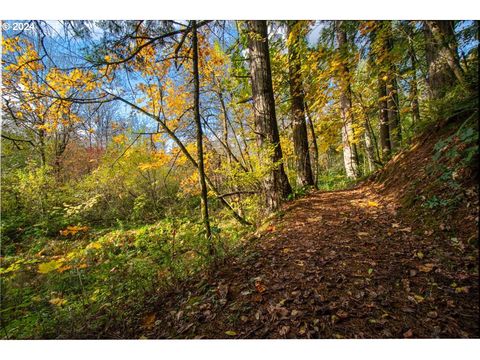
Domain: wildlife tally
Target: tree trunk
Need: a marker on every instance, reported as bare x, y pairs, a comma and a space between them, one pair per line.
300, 139
442, 58
198, 123
414, 91
276, 185
350, 157
392, 87
383, 110
414, 103
393, 112
315, 146
369, 147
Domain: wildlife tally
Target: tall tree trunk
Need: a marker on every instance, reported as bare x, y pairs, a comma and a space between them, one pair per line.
442, 57
415, 106
300, 139
414, 103
350, 157
276, 183
316, 166
369, 146
392, 87
198, 123
383, 111
369, 139
393, 112
377, 56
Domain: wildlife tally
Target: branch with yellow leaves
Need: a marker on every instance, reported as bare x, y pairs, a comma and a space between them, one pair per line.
185, 152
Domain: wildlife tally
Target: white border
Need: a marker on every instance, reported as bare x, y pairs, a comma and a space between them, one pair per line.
242, 349
241, 9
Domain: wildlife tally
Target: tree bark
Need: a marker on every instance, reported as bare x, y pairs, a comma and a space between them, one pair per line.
414, 103
415, 106
377, 55
198, 123
393, 105
383, 111
276, 184
442, 57
315, 146
350, 157
300, 137
369, 149
394, 123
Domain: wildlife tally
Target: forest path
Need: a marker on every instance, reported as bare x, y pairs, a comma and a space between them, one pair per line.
336, 265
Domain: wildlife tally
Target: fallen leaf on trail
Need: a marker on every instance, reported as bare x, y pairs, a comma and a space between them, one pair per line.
408, 334
360, 233
284, 330
418, 298
260, 287
257, 298
395, 225
342, 314
372, 204
370, 271
426, 268
432, 314
222, 290
286, 250
420, 255
149, 321
407, 229
294, 313
463, 289
231, 333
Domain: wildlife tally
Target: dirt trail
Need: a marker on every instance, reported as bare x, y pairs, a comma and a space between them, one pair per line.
335, 265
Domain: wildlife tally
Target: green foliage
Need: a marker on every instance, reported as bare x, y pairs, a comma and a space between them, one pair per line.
32, 201
299, 192
329, 181
435, 202
453, 160
86, 282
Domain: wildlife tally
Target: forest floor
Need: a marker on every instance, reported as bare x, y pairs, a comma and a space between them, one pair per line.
340, 264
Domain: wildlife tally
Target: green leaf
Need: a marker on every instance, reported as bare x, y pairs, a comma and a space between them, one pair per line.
231, 333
